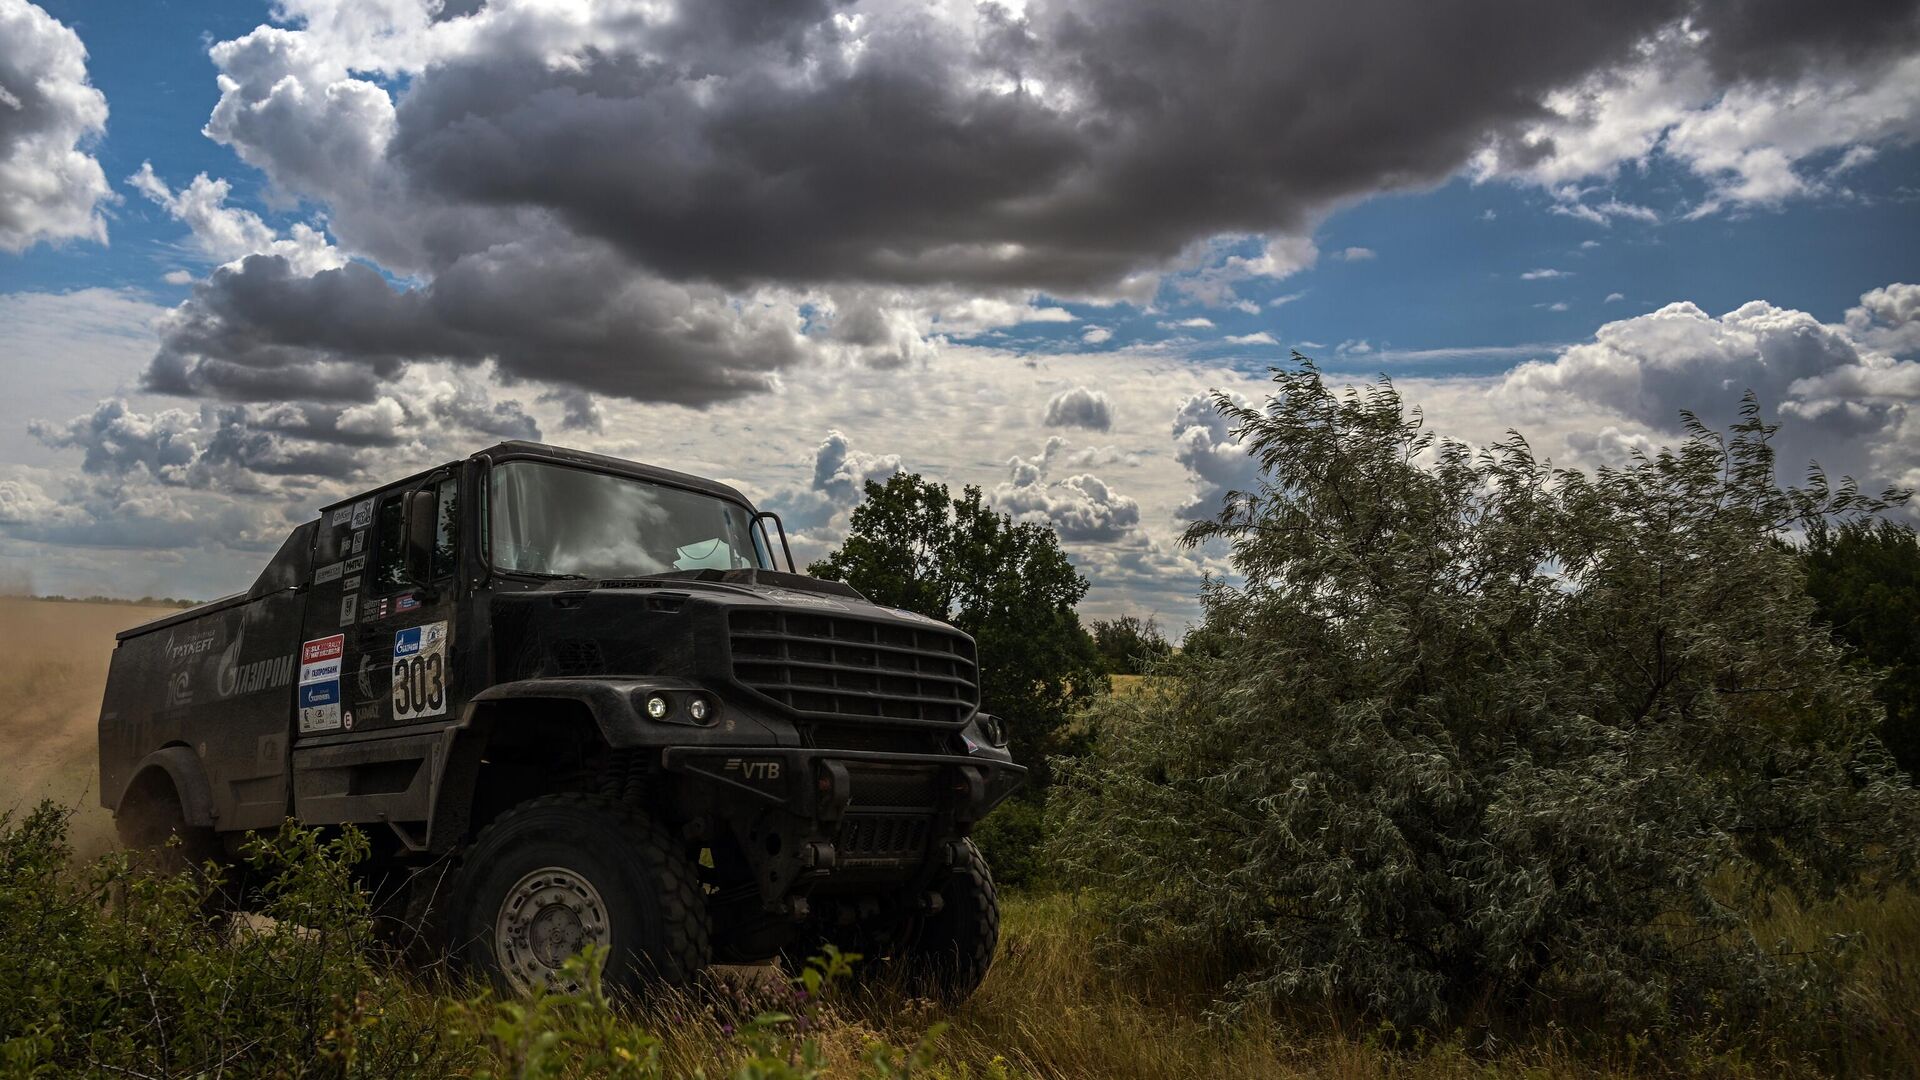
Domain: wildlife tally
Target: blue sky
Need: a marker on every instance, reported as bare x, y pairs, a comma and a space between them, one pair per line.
933, 331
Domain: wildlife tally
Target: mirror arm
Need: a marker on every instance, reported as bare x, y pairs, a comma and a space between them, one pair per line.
762, 515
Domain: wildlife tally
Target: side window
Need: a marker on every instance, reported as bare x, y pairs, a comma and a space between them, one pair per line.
390, 559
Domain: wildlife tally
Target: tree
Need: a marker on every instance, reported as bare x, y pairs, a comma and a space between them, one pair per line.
1482, 737
1127, 645
911, 545
1864, 577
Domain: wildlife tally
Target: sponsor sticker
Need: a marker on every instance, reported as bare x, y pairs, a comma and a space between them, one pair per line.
355, 564
352, 584
320, 683
420, 672
363, 513
349, 608
359, 541
407, 603
342, 515
329, 572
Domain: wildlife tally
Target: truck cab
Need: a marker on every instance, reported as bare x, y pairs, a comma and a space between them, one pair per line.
578, 700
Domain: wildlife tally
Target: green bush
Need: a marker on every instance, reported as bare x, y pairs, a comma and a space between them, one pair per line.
1478, 738
1013, 839
112, 969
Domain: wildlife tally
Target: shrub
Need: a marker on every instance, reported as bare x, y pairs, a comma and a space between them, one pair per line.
112, 969
109, 968
1481, 738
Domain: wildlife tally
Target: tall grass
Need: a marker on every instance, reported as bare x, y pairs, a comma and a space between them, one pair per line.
105, 970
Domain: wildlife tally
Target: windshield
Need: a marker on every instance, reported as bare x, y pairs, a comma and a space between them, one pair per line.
550, 519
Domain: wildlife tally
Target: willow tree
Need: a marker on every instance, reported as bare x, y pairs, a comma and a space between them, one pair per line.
1477, 734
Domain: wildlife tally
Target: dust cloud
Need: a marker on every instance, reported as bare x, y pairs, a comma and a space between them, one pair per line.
53, 668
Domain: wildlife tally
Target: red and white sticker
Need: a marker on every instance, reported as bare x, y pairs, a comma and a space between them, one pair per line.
326, 648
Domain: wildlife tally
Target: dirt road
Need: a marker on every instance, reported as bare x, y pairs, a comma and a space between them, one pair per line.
53, 664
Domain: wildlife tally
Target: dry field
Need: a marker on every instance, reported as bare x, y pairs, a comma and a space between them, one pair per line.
53, 665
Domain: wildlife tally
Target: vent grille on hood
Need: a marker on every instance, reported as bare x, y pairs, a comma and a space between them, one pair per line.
830, 667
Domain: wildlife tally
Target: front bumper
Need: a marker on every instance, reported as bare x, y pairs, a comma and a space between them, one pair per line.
810, 816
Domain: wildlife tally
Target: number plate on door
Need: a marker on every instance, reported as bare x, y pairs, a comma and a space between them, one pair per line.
420, 672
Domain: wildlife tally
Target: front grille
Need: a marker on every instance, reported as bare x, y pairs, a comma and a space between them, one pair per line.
880, 737
881, 838
829, 667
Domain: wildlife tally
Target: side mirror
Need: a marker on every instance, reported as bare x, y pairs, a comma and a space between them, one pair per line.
420, 509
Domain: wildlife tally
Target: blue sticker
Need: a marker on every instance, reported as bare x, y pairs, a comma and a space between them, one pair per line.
406, 642
315, 694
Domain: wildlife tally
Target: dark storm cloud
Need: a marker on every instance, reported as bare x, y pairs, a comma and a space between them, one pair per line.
1768, 39
259, 332
1149, 125
601, 213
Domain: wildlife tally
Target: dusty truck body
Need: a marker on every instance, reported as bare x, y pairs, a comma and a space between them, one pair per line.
572, 701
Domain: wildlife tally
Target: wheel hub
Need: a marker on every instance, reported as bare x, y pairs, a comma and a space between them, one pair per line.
548, 916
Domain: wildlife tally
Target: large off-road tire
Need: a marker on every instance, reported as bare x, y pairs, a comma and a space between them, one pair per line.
148, 822
943, 956
561, 872
948, 956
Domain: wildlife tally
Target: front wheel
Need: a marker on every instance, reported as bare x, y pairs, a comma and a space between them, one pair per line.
562, 872
944, 955
948, 957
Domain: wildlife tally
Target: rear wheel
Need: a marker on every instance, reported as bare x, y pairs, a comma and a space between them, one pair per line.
152, 825
562, 872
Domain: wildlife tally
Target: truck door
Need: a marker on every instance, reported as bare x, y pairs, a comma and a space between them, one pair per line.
378, 695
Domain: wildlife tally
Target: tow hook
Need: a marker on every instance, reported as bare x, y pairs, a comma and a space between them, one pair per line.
931, 903
818, 855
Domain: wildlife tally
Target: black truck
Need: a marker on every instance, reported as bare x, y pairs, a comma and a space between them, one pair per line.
574, 700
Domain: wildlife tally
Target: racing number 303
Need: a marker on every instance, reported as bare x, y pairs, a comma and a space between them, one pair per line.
419, 685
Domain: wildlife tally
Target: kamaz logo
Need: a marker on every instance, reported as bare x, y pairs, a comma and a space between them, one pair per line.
754, 770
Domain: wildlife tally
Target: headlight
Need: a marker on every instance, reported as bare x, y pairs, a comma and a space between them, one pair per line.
657, 707
993, 729
699, 710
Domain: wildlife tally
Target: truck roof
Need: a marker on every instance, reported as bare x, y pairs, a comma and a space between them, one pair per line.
287, 567
521, 450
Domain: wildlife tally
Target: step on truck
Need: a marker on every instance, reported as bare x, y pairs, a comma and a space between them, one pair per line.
575, 701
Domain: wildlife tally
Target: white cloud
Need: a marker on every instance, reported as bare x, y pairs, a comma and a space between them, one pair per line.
1096, 335
1614, 297
1354, 254
1259, 337
1545, 274
1841, 399
228, 234
177, 277
1081, 507
1079, 407
1751, 140
51, 188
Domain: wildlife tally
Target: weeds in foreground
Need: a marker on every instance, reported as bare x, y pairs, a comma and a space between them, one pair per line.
109, 970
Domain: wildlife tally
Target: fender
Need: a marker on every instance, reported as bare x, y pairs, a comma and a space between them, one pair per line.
189, 779
612, 702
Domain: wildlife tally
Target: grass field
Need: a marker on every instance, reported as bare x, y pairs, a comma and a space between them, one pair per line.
1047, 1009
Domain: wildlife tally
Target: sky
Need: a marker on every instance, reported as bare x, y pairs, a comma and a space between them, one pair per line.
256, 257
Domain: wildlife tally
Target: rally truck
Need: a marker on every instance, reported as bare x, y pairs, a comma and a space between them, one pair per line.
573, 701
